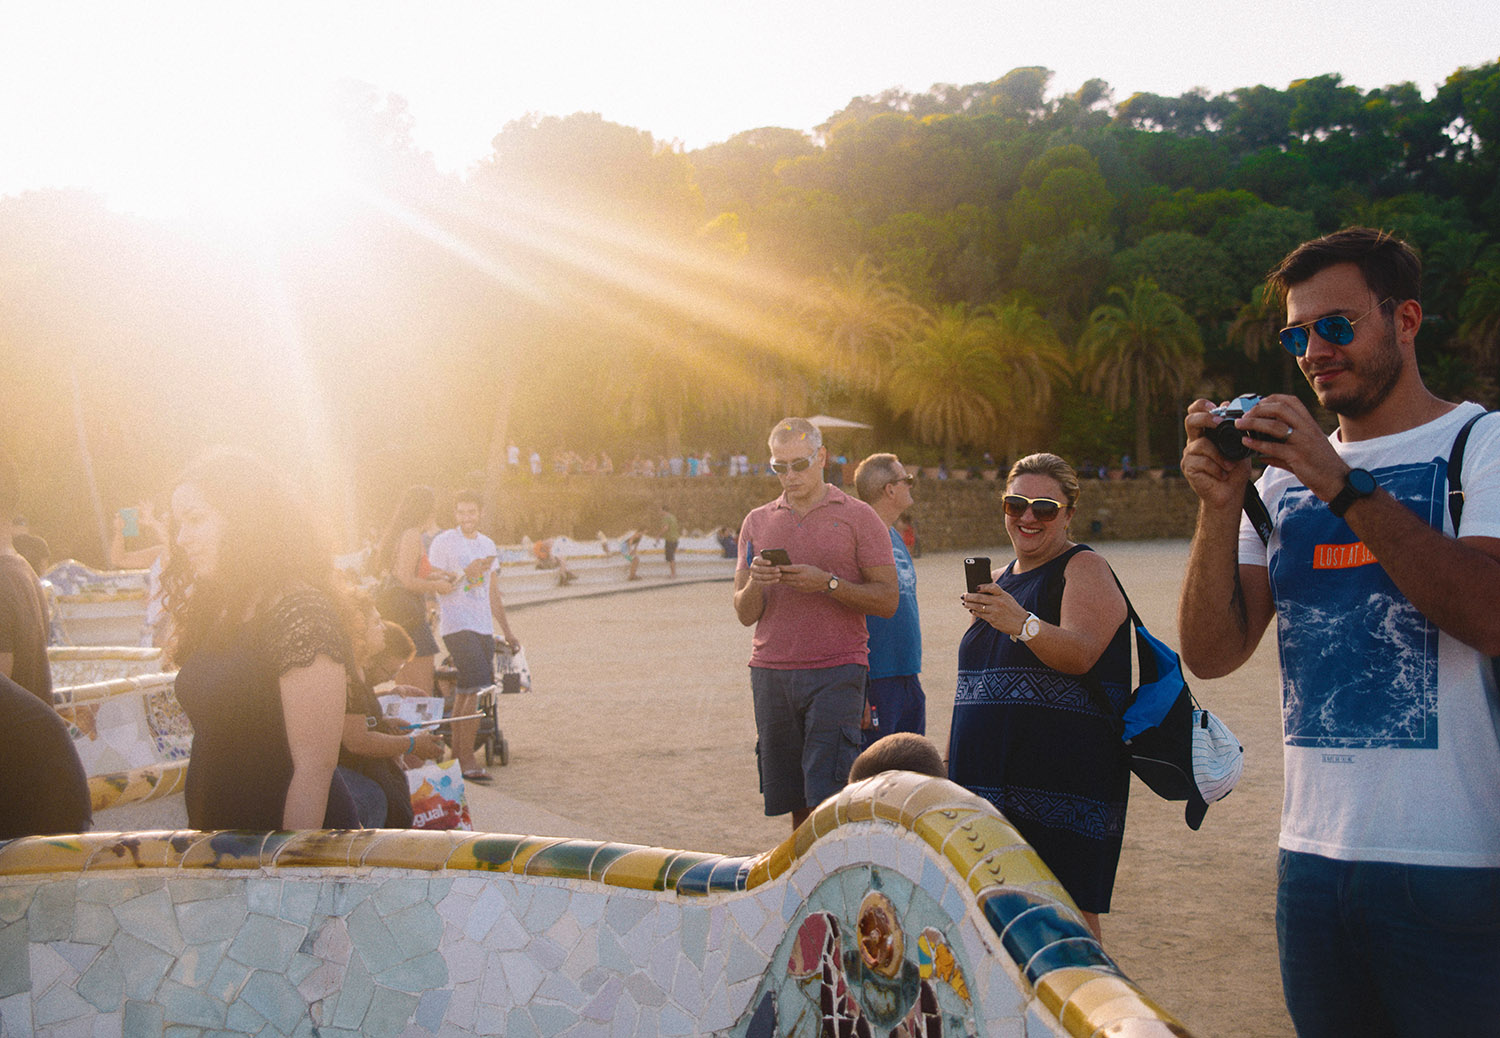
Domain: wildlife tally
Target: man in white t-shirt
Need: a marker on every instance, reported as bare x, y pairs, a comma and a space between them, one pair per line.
467, 618
1388, 900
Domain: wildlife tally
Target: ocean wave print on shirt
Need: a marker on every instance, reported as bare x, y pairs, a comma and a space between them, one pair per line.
1359, 662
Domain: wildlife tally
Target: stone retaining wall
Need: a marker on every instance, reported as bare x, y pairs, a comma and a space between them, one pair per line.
951, 515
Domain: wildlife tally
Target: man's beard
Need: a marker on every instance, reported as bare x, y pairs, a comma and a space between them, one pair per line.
1376, 375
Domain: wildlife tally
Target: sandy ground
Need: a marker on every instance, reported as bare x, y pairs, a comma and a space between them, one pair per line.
640, 730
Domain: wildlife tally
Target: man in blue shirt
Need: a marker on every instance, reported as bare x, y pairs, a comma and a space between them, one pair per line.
894, 700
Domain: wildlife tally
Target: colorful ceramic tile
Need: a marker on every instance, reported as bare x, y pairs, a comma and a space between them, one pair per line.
45, 854
140, 850
1107, 1002
682, 862
1012, 867
936, 825
410, 849
316, 848
487, 853
567, 859
641, 868
230, 849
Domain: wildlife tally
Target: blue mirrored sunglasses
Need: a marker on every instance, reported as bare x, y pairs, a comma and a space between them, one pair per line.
1336, 329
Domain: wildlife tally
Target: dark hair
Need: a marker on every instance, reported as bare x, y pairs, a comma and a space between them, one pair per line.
415, 508
873, 475
1048, 465
902, 751
270, 543
1390, 267
468, 497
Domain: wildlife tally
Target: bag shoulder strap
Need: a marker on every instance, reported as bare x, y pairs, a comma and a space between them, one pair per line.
1455, 471
1052, 594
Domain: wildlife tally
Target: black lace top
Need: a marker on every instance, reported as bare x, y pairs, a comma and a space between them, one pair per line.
241, 764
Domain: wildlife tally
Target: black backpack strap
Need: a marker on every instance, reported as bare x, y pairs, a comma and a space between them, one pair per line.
1455, 471
1051, 599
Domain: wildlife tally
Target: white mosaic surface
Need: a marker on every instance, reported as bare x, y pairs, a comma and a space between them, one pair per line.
393, 952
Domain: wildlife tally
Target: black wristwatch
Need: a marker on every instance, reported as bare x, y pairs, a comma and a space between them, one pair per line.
1357, 484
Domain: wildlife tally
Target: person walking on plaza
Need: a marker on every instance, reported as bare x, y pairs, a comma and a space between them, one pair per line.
467, 616
671, 533
1388, 900
810, 651
894, 700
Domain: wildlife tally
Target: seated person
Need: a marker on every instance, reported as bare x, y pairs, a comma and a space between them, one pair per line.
546, 560
43, 789
370, 747
901, 751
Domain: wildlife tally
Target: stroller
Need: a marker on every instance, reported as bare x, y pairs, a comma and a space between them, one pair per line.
513, 676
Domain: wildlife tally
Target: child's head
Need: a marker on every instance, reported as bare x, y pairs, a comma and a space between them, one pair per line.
903, 751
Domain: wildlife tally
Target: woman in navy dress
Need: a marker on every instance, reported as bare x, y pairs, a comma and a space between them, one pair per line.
260, 636
1027, 735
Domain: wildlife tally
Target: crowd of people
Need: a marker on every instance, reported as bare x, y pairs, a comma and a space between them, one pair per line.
1388, 903
1378, 578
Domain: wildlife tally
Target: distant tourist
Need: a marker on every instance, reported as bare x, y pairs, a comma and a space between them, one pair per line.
24, 621
894, 700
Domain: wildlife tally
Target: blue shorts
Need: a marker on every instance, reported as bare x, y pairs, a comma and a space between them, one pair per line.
898, 705
473, 654
808, 723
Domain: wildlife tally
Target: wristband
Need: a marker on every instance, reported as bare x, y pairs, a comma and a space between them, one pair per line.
411, 744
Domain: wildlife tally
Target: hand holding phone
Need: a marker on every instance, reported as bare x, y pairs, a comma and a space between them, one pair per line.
977, 573
776, 556
132, 518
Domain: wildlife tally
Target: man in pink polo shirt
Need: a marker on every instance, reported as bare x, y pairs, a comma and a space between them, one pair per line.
810, 655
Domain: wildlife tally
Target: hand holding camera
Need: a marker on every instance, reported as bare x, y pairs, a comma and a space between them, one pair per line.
1228, 439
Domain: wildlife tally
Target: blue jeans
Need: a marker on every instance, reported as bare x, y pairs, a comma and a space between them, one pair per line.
1372, 948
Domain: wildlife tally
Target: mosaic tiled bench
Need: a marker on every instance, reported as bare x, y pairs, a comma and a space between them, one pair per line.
83, 664
131, 735
97, 607
904, 907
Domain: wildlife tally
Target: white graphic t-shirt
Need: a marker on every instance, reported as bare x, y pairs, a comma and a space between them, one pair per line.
467, 606
1391, 727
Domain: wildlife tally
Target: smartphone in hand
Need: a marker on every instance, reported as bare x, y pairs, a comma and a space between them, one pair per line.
976, 573
776, 556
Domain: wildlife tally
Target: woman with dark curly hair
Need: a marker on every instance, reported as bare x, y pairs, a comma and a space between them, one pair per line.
261, 621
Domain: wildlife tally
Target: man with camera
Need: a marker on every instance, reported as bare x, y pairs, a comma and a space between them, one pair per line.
811, 565
1388, 901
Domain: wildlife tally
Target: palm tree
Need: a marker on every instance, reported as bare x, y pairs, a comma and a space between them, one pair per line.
1257, 328
1138, 349
948, 378
860, 318
1031, 359
1479, 317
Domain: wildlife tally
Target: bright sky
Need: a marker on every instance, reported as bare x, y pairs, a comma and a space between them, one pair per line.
131, 98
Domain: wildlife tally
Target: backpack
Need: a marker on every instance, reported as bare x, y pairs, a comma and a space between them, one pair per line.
1179, 750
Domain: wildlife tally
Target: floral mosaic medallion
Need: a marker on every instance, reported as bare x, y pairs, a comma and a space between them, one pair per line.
865, 956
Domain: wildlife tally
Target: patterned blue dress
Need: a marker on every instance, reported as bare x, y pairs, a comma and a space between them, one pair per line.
1031, 741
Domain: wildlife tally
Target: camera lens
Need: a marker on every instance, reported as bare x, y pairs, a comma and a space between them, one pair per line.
1226, 440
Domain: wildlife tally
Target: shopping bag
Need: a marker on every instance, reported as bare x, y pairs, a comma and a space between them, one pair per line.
510, 665
437, 797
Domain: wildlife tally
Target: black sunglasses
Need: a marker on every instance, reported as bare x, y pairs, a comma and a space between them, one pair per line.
781, 468
908, 479
1337, 329
1044, 509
